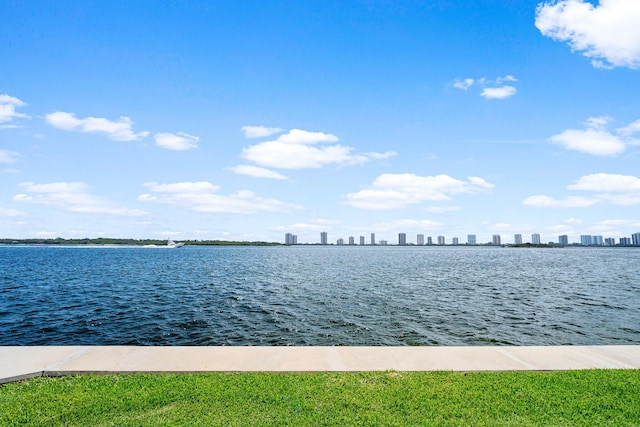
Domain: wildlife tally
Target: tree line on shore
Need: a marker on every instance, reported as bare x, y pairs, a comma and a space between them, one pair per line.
133, 242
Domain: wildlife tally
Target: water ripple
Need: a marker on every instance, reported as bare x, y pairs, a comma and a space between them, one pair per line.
313, 295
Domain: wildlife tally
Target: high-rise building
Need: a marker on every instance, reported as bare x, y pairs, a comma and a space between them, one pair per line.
455, 241
352, 240
340, 242
373, 239
635, 239
563, 240
324, 238
402, 239
610, 241
496, 239
441, 240
625, 241
535, 239
290, 239
383, 243
471, 239
585, 240
597, 240
420, 239
429, 241
361, 240
517, 239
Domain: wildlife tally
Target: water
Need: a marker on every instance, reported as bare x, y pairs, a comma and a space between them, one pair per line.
315, 295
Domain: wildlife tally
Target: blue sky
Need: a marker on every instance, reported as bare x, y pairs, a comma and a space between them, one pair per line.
245, 120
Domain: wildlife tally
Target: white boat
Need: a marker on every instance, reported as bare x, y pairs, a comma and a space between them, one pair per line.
172, 244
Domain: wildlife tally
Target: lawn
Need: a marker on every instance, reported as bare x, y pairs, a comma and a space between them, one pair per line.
591, 397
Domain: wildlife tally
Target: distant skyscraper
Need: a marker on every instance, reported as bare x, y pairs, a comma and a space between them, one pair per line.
517, 239
441, 240
597, 240
373, 239
585, 240
471, 239
455, 241
625, 241
535, 239
383, 243
361, 240
352, 240
429, 241
563, 240
420, 239
610, 241
290, 239
635, 239
340, 242
402, 239
324, 238
496, 239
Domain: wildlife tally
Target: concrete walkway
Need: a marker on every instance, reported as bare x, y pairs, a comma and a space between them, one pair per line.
24, 362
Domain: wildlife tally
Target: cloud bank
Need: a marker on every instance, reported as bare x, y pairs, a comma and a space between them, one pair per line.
72, 197
8, 113
259, 131
120, 130
395, 191
596, 140
301, 149
608, 33
176, 141
203, 197
614, 189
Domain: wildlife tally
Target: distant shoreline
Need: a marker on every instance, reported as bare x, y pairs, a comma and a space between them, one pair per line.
156, 242
130, 242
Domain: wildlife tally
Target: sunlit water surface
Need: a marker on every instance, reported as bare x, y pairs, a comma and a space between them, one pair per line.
318, 295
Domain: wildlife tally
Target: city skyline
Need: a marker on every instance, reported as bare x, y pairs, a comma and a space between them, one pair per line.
244, 121
562, 240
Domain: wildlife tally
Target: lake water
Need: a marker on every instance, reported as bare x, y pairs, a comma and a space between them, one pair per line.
318, 295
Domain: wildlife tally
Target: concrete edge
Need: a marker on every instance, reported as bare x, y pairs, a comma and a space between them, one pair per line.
21, 377
20, 363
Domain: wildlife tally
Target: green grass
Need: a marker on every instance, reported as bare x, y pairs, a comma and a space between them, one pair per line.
590, 398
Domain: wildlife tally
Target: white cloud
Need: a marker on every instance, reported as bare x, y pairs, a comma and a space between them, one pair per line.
118, 131
8, 105
257, 172
463, 84
295, 150
630, 129
299, 136
590, 141
607, 33
176, 141
259, 131
614, 189
394, 191
549, 202
605, 182
491, 89
203, 197
502, 92
596, 139
5, 212
507, 78
405, 226
71, 196
442, 209
7, 156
